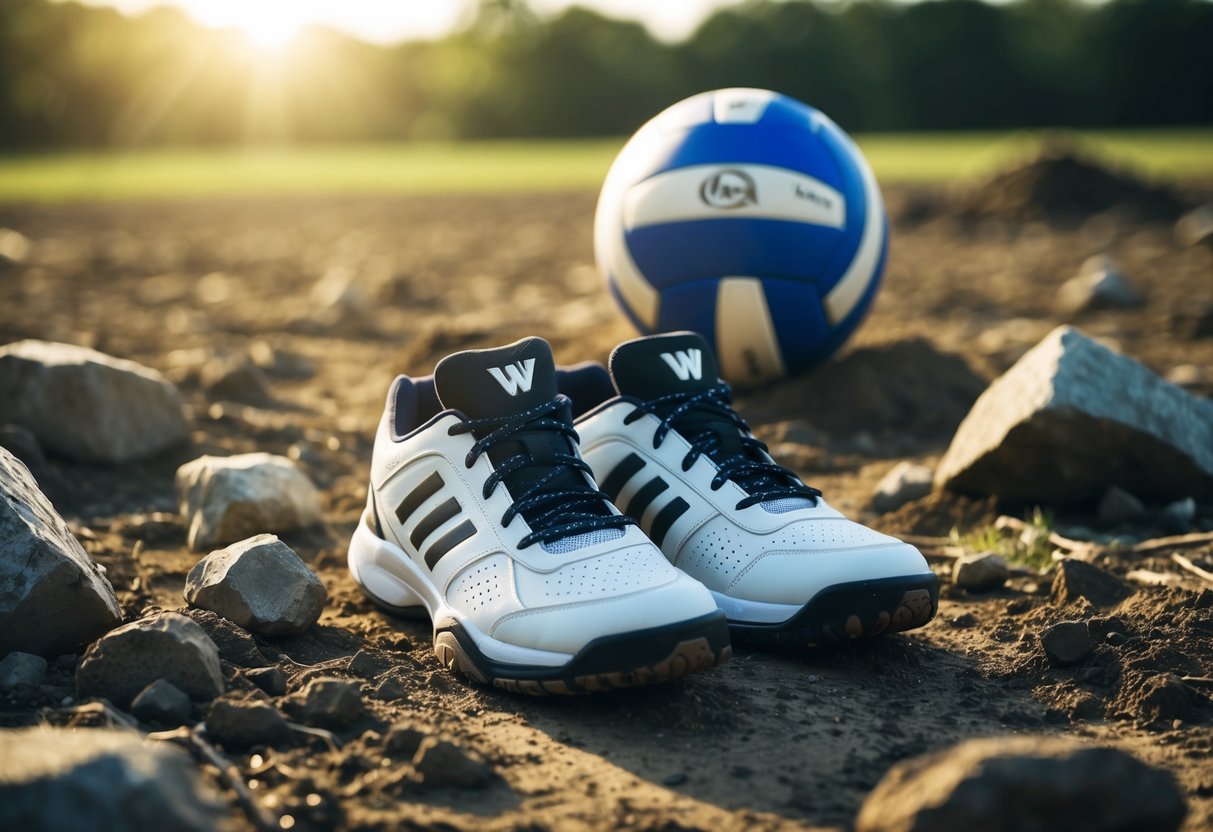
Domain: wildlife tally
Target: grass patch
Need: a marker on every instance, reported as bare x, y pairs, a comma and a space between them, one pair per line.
474, 167
518, 166
1030, 547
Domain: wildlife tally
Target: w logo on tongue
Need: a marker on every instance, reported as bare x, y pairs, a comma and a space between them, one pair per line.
686, 364
516, 376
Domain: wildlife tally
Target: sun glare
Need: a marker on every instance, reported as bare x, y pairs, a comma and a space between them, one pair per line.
268, 24
266, 28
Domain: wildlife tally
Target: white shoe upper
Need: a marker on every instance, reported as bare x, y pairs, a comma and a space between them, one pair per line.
780, 551
466, 563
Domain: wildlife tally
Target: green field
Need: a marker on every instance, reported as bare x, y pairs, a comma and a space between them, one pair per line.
519, 165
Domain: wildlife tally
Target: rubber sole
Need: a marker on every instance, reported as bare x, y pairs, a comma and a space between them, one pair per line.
641, 657
849, 611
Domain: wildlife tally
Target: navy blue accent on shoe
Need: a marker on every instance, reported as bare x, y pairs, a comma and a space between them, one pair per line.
706, 419
535, 460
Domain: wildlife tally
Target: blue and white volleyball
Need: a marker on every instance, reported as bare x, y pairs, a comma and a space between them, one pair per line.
750, 218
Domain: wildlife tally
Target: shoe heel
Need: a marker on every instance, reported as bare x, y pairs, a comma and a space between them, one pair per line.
382, 588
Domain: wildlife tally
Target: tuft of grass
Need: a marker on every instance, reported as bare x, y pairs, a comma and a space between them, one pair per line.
1030, 547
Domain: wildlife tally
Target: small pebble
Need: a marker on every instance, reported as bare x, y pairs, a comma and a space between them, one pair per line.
1067, 643
331, 702
442, 763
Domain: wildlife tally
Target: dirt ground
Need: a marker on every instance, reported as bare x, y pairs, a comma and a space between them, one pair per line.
771, 740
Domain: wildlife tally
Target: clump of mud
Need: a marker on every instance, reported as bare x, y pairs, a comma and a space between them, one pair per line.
908, 386
1149, 666
1064, 181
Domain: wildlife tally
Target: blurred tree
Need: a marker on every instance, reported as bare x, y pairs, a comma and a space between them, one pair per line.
82, 76
1156, 61
798, 48
954, 67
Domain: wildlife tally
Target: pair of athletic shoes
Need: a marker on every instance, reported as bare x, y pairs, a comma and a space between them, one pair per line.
589, 528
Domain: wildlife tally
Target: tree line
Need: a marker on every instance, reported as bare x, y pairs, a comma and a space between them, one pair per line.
81, 76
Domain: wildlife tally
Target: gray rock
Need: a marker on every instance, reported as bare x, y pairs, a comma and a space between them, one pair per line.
19, 668
260, 584
1067, 643
369, 663
55, 779
235, 378
235, 645
1071, 418
404, 740
225, 499
88, 405
1099, 284
1002, 784
392, 687
980, 572
906, 482
162, 702
1179, 516
1075, 579
165, 646
1196, 226
279, 362
442, 763
270, 679
21, 443
53, 597
331, 702
1119, 506
245, 724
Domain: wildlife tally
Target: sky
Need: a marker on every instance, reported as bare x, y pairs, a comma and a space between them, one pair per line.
386, 21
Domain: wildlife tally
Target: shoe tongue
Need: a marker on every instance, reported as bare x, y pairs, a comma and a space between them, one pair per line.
678, 362
502, 382
658, 365
486, 384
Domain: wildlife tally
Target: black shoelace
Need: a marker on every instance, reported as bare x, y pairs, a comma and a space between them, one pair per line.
706, 419
554, 510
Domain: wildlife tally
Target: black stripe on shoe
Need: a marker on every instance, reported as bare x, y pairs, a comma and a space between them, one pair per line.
413, 500
644, 497
445, 511
448, 541
666, 518
619, 476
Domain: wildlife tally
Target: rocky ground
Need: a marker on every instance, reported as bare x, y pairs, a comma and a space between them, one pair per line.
282, 323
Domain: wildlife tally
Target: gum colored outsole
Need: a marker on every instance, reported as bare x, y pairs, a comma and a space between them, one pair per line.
914, 609
687, 657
